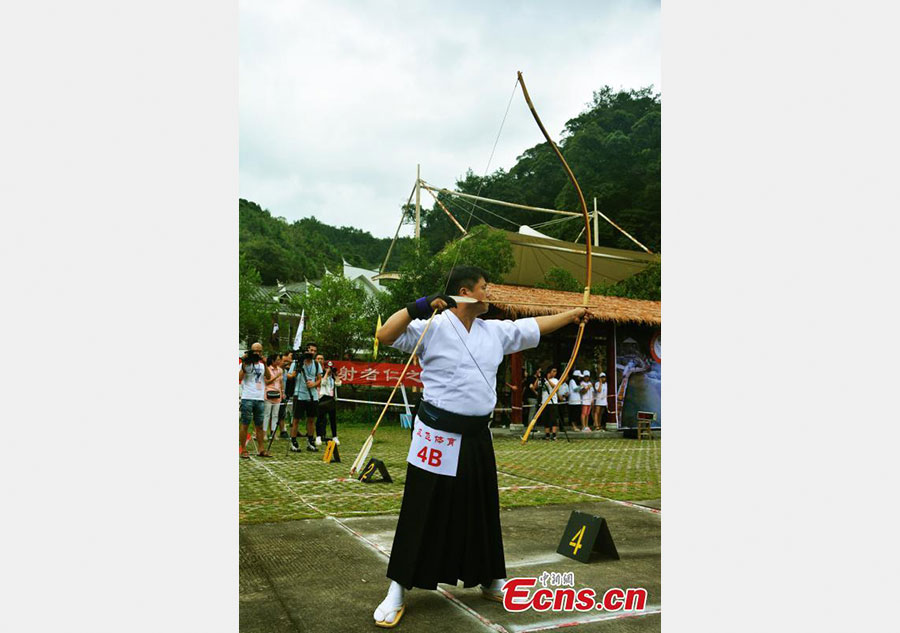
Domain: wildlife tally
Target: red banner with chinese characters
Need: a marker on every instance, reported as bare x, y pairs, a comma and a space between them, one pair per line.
376, 374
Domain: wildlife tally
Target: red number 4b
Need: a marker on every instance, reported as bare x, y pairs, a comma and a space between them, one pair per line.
433, 458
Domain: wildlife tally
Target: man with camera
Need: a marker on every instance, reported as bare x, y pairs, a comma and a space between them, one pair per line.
308, 375
253, 374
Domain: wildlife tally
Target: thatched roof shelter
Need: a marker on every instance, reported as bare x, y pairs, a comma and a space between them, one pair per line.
518, 301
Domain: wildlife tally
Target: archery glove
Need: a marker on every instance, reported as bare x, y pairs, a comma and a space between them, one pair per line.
421, 307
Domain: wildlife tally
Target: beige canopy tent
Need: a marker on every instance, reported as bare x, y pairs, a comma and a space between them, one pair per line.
534, 256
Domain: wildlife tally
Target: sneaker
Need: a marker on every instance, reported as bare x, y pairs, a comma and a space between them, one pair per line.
336, 443
318, 441
284, 435
295, 447
311, 447
586, 430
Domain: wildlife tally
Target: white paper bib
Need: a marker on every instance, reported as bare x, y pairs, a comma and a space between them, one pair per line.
433, 450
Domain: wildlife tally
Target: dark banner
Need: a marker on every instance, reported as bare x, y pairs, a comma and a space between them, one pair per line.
638, 377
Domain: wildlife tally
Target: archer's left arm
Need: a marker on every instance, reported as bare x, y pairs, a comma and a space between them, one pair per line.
552, 322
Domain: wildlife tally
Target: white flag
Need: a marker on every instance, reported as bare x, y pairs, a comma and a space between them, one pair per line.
299, 338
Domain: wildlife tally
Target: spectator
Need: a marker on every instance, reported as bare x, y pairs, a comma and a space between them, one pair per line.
287, 390
274, 393
551, 413
587, 399
575, 399
327, 401
600, 403
563, 397
532, 393
252, 375
306, 396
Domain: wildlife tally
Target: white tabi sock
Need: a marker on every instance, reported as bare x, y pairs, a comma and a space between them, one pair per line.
496, 585
387, 610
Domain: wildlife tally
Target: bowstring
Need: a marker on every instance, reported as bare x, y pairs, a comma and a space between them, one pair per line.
469, 220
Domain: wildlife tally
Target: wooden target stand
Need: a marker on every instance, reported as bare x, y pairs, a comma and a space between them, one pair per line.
644, 420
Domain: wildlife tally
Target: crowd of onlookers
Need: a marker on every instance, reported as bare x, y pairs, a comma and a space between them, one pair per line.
281, 390
287, 387
580, 401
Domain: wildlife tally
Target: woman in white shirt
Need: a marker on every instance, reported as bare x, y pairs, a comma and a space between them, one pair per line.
587, 399
575, 399
600, 403
327, 401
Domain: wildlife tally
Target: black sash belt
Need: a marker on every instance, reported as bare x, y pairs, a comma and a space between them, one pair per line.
451, 422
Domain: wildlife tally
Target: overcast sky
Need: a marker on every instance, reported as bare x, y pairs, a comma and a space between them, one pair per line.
340, 100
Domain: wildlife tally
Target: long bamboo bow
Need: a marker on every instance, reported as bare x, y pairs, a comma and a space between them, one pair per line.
587, 245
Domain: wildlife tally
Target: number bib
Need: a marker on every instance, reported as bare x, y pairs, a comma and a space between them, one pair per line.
433, 450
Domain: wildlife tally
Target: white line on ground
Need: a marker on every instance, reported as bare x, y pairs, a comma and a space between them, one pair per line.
559, 623
528, 562
588, 494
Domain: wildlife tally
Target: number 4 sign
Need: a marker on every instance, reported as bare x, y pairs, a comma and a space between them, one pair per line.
586, 534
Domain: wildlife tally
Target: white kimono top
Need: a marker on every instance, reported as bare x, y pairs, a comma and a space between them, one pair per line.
452, 380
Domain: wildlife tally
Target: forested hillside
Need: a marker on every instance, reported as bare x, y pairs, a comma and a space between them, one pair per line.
613, 147
303, 249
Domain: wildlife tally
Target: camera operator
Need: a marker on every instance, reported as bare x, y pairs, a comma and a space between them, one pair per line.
253, 374
327, 401
306, 396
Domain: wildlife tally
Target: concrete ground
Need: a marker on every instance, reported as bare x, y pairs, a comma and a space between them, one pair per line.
328, 574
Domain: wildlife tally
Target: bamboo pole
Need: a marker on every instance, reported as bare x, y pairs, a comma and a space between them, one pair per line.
447, 211
450, 192
397, 232
418, 195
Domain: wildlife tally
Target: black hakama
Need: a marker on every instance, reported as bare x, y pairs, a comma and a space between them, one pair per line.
449, 527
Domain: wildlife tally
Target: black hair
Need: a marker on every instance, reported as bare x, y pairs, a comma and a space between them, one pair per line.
272, 358
464, 277
312, 344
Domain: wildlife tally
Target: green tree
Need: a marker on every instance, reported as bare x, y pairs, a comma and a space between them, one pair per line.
254, 311
644, 285
560, 279
340, 316
424, 274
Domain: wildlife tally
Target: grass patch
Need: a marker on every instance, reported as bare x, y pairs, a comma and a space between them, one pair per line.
301, 486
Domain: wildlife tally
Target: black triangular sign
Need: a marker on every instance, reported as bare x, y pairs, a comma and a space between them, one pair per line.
371, 466
604, 545
585, 535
